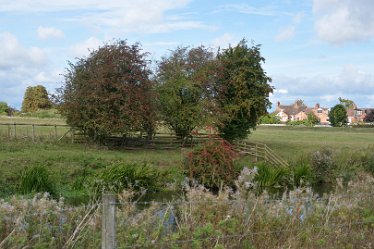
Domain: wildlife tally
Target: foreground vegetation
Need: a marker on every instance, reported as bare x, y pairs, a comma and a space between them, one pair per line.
343, 219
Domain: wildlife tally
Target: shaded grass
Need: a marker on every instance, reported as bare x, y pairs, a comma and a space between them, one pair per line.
67, 163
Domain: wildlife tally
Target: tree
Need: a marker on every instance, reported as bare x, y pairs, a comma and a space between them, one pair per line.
3, 108
36, 97
241, 90
347, 103
269, 119
109, 92
182, 79
338, 116
369, 118
312, 119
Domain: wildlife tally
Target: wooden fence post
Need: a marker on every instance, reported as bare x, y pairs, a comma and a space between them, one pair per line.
108, 229
9, 131
15, 130
256, 159
72, 135
33, 133
55, 132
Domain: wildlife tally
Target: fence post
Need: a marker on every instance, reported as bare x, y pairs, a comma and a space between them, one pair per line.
9, 131
108, 229
15, 130
72, 135
55, 132
256, 159
33, 133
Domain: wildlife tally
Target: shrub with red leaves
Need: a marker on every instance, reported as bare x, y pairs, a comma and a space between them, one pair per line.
212, 164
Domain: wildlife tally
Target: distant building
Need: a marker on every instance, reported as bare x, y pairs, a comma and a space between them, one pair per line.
357, 115
299, 111
322, 114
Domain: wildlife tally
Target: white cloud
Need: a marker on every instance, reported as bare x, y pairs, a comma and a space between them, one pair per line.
46, 33
141, 16
287, 33
284, 91
83, 48
247, 9
224, 41
14, 55
340, 21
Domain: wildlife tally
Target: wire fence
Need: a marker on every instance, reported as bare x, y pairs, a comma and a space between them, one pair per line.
199, 222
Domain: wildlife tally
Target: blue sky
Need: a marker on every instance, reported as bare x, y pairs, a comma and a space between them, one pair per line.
315, 50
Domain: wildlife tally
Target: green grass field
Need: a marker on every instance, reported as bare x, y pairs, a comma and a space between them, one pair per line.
293, 142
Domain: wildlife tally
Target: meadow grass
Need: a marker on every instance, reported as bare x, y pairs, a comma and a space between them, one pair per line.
67, 163
293, 142
31, 120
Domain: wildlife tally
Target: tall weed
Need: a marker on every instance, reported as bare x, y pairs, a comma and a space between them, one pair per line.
36, 179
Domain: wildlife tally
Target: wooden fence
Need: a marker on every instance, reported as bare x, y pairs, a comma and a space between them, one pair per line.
260, 152
34, 132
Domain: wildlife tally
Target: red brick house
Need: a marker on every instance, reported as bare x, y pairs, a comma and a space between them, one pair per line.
299, 111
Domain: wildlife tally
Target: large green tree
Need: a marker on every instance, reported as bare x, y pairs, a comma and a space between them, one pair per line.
109, 92
182, 78
241, 91
338, 116
36, 97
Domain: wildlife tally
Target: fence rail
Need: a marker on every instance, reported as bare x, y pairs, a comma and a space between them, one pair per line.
260, 152
34, 131
135, 141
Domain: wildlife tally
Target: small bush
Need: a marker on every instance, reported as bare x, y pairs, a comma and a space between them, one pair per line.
121, 176
302, 174
323, 164
36, 179
269, 176
212, 164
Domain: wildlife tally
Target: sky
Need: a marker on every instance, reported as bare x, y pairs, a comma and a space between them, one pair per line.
315, 50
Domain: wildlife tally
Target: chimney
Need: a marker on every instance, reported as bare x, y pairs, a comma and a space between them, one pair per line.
317, 106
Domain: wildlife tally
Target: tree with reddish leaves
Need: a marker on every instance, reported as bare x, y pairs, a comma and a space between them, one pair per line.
109, 92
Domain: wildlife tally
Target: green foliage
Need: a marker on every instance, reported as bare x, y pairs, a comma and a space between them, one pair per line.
312, 119
297, 122
36, 179
109, 92
269, 119
338, 116
269, 176
212, 164
36, 97
302, 173
120, 176
182, 78
323, 164
241, 90
347, 103
51, 113
4, 108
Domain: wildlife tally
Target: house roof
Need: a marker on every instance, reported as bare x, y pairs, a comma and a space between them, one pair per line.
293, 109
